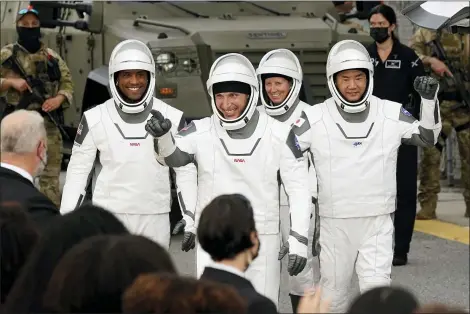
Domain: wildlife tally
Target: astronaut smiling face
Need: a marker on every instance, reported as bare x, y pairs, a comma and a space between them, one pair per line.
351, 84
277, 89
231, 104
132, 83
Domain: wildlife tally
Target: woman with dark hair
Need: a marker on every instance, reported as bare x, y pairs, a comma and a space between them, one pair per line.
166, 293
384, 300
18, 234
94, 274
61, 235
395, 68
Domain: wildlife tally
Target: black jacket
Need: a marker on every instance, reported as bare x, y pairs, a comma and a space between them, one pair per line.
257, 303
15, 188
394, 78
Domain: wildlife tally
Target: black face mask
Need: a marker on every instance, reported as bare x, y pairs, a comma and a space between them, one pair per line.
255, 255
29, 38
379, 34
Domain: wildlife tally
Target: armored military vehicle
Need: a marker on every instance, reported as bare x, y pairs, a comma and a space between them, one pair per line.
185, 38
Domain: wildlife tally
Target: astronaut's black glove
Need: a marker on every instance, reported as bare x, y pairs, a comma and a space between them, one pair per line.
157, 125
427, 87
189, 238
296, 262
316, 232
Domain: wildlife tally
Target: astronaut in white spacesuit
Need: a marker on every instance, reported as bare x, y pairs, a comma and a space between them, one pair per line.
128, 180
280, 77
354, 138
240, 150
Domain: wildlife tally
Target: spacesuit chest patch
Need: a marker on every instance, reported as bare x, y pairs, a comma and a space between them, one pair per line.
294, 145
82, 131
190, 128
298, 123
405, 112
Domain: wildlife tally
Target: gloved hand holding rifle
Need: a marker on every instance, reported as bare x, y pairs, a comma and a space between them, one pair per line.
34, 90
454, 77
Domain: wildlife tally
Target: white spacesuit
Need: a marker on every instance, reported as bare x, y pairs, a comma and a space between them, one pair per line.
242, 155
128, 180
354, 147
283, 64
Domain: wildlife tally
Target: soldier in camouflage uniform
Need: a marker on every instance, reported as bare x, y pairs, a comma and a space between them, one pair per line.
46, 67
457, 49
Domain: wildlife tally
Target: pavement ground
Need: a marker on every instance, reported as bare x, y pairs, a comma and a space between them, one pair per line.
438, 267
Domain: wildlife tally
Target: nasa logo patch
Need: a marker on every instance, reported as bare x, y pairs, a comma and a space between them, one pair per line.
405, 112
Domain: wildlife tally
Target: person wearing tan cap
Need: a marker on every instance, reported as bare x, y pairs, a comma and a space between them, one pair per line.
34, 77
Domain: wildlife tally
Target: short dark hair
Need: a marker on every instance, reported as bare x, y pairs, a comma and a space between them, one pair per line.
169, 293
225, 226
62, 234
93, 275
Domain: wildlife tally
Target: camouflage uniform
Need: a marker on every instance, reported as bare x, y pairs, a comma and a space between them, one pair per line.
49, 180
457, 49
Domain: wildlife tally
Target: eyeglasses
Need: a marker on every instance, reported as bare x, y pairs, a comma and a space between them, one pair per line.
28, 10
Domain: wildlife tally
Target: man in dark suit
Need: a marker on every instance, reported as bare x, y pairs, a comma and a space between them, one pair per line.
227, 232
23, 157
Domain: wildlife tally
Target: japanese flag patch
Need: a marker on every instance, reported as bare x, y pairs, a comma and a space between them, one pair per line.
405, 112
298, 123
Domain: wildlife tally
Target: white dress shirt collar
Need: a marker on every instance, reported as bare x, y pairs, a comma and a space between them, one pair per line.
18, 170
227, 268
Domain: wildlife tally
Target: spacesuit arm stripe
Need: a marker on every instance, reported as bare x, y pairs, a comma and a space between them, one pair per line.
294, 145
82, 131
299, 238
79, 202
183, 207
294, 176
80, 166
425, 132
179, 159
425, 138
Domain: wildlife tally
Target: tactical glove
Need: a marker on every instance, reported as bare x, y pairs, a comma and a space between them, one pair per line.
426, 86
297, 255
189, 238
157, 125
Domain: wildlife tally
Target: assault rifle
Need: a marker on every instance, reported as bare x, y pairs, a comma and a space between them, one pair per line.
457, 74
36, 96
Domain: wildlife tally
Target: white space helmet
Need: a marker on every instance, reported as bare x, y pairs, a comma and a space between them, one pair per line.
348, 55
234, 67
131, 55
285, 63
